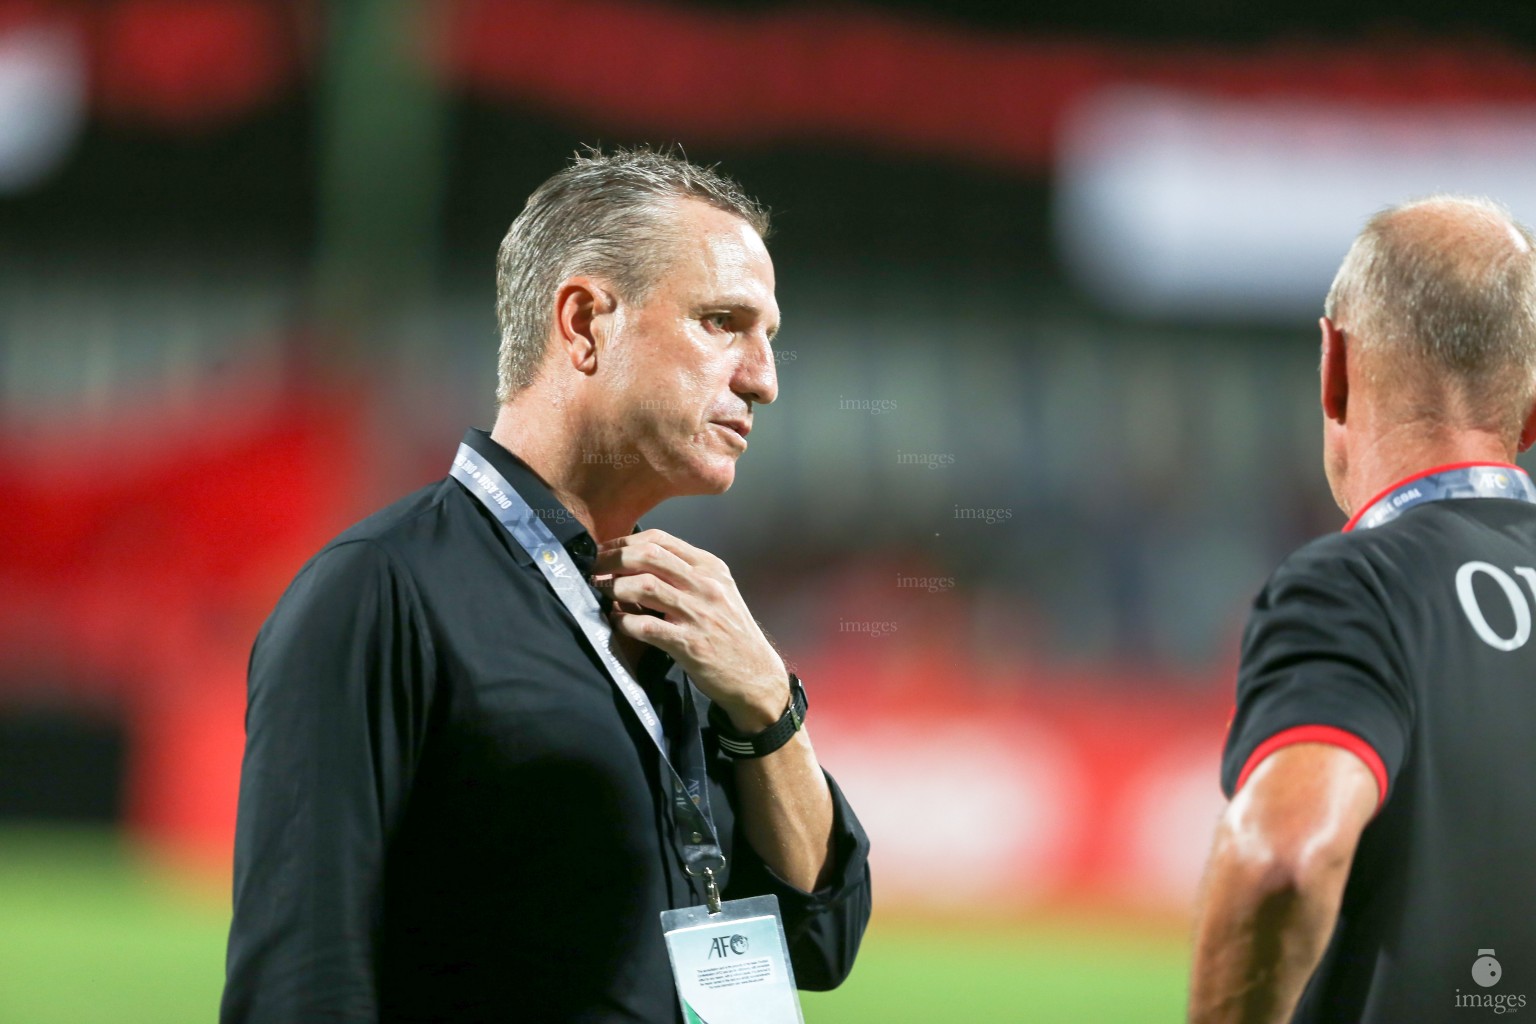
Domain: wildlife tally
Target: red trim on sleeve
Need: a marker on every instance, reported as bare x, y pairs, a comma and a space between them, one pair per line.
1419, 476
1319, 734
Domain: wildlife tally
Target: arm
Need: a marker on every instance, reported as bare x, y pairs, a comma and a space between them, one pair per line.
786, 807
824, 927
1274, 882
337, 703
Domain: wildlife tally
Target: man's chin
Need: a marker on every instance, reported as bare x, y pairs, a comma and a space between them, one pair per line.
718, 481
715, 477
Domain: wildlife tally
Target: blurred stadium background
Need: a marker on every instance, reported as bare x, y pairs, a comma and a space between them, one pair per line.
1049, 273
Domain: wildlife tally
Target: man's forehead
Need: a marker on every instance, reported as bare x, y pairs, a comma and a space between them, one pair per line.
738, 256
729, 256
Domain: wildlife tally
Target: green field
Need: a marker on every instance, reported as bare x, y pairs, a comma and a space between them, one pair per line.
88, 935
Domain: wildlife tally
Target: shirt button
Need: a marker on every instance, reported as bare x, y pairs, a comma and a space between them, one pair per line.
696, 837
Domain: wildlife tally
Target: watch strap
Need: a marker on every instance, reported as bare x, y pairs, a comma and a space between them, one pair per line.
743, 746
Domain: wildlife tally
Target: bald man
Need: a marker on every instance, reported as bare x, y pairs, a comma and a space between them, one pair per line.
1375, 860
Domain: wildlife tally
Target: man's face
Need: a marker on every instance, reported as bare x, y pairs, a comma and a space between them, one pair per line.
690, 361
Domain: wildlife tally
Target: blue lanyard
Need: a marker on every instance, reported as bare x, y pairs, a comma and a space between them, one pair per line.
1462, 482
690, 790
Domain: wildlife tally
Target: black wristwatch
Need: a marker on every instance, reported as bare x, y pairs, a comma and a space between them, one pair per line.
738, 745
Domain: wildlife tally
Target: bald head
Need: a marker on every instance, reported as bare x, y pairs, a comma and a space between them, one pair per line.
1440, 297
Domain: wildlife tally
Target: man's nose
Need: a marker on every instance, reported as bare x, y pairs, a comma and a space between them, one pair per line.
757, 375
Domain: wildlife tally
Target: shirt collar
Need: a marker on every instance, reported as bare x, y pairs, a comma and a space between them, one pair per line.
567, 529
1354, 520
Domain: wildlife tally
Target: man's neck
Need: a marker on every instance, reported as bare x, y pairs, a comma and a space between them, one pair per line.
605, 493
1396, 454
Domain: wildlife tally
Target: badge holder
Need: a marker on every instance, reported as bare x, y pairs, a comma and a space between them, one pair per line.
731, 961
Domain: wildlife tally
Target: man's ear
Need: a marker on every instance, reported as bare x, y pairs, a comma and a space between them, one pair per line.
582, 310
1334, 371
1528, 431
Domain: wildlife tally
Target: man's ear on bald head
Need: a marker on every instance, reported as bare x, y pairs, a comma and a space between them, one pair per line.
1334, 371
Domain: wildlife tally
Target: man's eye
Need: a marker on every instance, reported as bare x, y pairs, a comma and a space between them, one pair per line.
719, 321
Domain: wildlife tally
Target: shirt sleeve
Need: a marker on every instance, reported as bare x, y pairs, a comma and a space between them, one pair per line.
1321, 663
339, 686
824, 927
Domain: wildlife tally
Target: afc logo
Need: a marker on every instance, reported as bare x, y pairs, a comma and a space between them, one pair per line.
727, 945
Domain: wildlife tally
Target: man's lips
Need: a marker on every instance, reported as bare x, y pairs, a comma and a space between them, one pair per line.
741, 427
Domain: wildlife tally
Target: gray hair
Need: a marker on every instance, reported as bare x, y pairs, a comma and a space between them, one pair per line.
609, 215
1447, 285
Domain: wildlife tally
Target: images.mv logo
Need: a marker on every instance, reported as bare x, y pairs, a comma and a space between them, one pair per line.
1487, 972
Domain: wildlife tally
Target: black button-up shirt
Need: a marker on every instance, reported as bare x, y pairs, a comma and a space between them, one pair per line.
449, 812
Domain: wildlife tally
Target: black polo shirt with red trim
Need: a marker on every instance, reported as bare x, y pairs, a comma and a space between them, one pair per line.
1412, 646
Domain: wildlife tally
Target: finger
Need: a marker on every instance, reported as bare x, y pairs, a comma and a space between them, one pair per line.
698, 558
604, 584
648, 591
649, 629
644, 557
638, 537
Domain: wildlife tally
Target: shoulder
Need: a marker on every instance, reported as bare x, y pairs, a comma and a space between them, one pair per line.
1369, 559
1336, 592
405, 533
381, 550
1334, 563
403, 522
1401, 572
1419, 543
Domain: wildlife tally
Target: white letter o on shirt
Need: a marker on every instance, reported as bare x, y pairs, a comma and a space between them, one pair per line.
1475, 614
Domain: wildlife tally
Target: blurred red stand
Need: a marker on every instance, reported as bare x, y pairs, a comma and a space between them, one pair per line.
140, 561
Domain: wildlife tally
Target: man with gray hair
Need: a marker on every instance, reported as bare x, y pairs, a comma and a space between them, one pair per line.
497, 731
1374, 863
